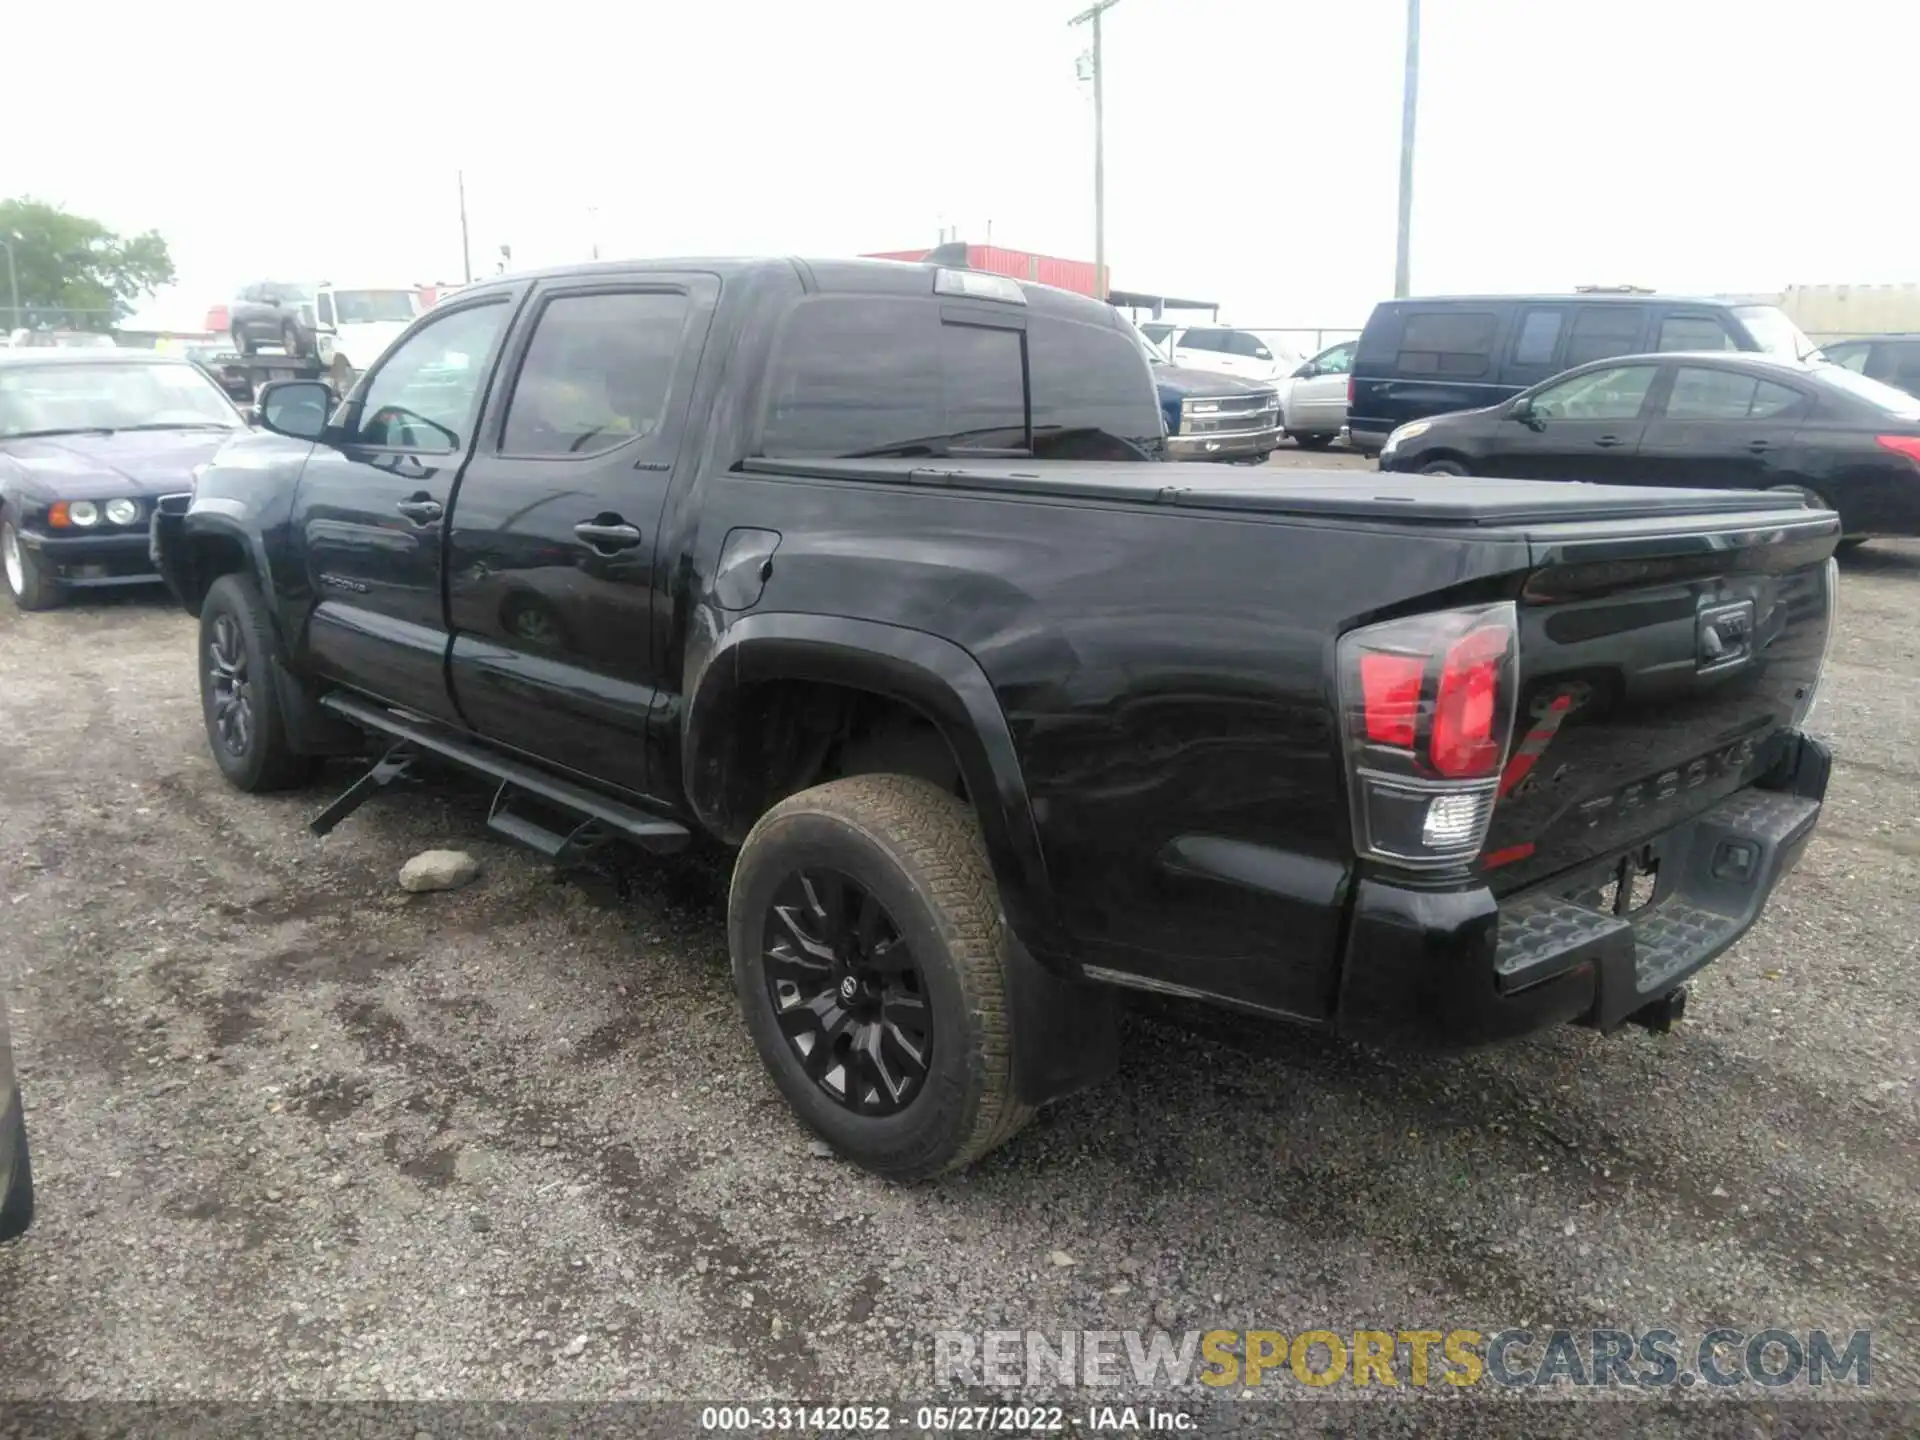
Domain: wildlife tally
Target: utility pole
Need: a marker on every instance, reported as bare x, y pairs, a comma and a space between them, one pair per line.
1409, 104
13, 282
1093, 14
466, 250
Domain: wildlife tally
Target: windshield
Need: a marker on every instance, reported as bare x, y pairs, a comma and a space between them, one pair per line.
367, 307
36, 399
1896, 403
285, 293
1774, 333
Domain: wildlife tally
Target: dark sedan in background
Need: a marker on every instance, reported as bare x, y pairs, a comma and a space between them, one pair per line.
89, 440
1720, 420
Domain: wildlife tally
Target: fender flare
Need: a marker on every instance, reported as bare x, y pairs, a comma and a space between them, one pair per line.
935, 677
218, 518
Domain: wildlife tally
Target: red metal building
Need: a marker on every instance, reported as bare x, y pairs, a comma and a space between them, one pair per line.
1074, 275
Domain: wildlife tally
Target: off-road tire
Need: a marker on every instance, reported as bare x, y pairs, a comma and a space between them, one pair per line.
269, 762
35, 591
918, 850
16, 1206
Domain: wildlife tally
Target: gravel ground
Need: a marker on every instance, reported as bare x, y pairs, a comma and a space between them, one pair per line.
300, 1135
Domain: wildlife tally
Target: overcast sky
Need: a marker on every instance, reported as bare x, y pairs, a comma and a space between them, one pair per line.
1252, 145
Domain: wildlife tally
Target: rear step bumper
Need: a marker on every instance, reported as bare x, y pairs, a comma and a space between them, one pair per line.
1459, 968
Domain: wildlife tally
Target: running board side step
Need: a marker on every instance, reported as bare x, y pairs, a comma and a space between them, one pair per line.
596, 818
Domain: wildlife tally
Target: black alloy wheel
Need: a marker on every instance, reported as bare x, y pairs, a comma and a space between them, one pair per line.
230, 686
846, 993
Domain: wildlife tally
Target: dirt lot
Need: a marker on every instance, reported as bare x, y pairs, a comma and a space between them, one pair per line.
300, 1135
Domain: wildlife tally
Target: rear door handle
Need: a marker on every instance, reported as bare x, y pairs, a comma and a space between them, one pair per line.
608, 535
421, 509
1609, 442
1760, 447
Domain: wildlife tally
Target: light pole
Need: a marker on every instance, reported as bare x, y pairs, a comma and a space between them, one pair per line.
466, 250
13, 282
1409, 103
1093, 14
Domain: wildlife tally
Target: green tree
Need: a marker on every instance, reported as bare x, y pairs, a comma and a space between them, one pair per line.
73, 271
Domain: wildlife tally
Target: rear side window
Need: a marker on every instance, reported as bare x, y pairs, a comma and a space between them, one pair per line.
1700, 394
1242, 342
1539, 337
1091, 388
1694, 332
1602, 331
1448, 342
597, 374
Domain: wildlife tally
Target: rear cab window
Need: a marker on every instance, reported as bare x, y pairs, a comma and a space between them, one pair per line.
855, 375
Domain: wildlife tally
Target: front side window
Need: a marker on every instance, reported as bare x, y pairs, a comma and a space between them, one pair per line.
1448, 342
598, 373
1215, 340
1774, 332
1601, 331
1614, 394
1337, 361
1248, 345
1694, 332
426, 393
56, 399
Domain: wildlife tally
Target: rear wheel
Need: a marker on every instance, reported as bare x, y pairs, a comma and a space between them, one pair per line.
290, 339
16, 1206
26, 581
239, 691
1816, 501
1443, 467
241, 344
869, 958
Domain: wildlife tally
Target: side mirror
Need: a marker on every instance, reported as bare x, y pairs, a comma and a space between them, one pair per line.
1305, 372
1521, 410
297, 409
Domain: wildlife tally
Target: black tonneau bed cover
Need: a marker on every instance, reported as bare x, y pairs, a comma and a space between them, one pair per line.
1334, 494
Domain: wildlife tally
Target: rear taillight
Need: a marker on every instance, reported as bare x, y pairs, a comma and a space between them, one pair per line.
1907, 445
1428, 706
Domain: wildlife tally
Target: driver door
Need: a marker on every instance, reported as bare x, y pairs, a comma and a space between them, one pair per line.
1318, 404
1585, 427
368, 514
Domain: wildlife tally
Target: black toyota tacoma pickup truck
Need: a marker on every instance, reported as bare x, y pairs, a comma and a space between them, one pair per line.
872, 571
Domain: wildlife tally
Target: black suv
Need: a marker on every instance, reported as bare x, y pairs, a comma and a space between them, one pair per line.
1427, 357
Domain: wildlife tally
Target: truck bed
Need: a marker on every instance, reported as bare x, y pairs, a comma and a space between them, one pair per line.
1330, 494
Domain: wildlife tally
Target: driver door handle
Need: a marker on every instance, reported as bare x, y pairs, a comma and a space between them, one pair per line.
421, 509
1609, 442
1760, 447
608, 535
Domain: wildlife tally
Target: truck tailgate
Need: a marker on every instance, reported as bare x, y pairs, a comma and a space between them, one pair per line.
1662, 662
